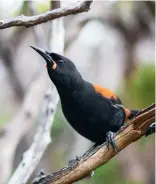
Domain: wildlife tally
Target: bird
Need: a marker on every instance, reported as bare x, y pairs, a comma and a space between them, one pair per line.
95, 112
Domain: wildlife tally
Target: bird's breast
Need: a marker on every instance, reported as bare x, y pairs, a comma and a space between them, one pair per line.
88, 114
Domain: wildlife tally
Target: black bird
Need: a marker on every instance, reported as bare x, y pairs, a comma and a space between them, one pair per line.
93, 111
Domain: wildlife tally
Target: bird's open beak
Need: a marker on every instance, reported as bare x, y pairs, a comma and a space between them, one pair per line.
44, 54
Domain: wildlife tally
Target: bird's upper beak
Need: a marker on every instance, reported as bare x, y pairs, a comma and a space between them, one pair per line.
44, 54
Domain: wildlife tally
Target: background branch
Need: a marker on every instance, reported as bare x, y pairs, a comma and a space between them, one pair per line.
42, 136
135, 129
26, 21
20, 125
8, 48
30, 108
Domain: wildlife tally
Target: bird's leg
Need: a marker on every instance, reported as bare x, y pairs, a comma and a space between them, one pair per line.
110, 141
150, 130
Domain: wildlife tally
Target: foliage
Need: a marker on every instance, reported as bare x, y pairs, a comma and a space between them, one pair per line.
140, 91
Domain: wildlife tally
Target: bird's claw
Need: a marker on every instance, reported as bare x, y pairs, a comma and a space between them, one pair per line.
150, 130
110, 141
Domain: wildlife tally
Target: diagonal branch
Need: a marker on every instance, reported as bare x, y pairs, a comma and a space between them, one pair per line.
28, 21
135, 129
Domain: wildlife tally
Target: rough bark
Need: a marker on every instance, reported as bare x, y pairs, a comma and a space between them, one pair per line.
135, 129
29, 21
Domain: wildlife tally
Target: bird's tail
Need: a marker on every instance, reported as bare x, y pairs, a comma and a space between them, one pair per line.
129, 113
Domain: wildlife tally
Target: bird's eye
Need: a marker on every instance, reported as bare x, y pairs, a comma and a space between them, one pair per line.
60, 61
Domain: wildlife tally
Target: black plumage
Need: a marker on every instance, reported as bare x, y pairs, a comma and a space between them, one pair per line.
90, 112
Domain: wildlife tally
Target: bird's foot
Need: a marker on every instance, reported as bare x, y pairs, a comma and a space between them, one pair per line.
110, 141
150, 130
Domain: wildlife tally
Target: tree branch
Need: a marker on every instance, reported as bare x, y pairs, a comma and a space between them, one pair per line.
29, 21
134, 130
42, 136
20, 125
41, 140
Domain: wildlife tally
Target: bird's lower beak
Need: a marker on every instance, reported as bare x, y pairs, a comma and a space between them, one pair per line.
43, 53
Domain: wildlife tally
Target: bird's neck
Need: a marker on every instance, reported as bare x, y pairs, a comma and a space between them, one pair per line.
67, 89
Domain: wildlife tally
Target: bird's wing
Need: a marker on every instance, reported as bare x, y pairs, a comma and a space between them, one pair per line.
107, 93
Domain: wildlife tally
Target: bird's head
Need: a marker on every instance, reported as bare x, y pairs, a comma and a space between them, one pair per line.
61, 70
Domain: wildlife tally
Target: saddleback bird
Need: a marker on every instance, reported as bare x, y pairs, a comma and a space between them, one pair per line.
93, 111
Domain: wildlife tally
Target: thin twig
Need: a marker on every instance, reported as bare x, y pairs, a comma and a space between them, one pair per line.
29, 21
135, 129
